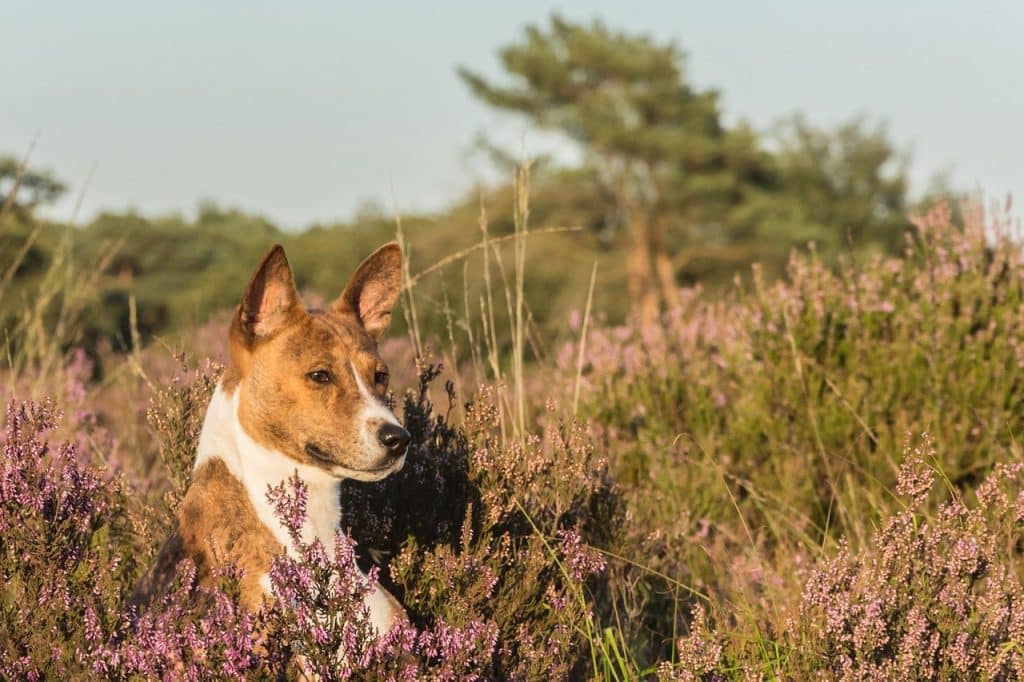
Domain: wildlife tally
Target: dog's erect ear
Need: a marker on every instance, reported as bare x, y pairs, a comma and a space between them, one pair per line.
373, 290
270, 297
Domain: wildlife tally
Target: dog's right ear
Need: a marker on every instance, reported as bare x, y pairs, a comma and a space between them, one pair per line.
373, 289
269, 299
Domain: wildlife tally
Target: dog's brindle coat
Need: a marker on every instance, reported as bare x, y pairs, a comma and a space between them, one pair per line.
303, 393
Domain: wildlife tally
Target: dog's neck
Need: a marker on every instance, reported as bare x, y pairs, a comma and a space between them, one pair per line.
258, 468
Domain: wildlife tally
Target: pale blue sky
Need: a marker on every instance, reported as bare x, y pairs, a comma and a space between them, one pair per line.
302, 110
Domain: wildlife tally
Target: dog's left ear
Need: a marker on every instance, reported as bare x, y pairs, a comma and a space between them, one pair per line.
373, 290
269, 299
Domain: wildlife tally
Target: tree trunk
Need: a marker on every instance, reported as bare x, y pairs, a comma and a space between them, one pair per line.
663, 266
640, 274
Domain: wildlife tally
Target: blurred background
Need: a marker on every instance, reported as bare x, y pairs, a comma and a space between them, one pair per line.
163, 148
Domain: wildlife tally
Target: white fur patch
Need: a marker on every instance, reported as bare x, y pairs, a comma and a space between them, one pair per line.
371, 417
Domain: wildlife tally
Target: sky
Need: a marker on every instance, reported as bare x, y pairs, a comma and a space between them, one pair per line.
305, 111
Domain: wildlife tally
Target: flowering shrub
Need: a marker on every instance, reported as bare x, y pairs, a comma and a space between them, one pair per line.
319, 615
736, 501
486, 535
497, 592
66, 544
58, 556
751, 431
933, 596
831, 366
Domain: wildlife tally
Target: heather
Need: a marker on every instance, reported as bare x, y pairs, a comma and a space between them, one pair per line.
500, 593
781, 447
816, 476
788, 400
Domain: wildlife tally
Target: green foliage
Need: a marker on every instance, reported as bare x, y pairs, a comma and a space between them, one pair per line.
694, 198
654, 143
847, 187
23, 189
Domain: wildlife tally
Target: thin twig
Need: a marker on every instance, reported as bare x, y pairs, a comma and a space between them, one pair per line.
458, 255
583, 341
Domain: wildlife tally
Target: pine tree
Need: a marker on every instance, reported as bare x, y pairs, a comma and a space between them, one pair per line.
655, 144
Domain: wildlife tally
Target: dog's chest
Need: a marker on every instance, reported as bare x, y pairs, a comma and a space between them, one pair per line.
258, 469
323, 513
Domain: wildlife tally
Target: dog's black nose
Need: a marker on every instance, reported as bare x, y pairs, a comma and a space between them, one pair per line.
394, 438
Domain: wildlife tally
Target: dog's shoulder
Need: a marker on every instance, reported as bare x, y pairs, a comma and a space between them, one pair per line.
215, 524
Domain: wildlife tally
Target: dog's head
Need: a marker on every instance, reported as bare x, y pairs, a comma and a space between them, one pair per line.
311, 383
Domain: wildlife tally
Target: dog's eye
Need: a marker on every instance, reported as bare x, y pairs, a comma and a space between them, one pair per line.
380, 378
321, 376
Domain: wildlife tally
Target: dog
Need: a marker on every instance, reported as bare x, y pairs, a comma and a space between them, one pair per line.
304, 392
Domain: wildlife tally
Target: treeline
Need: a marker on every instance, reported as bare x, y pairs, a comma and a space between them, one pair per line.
666, 194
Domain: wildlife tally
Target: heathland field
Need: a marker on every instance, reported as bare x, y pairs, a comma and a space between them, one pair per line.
708, 403
813, 476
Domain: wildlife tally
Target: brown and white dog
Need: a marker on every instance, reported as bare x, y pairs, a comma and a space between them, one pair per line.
304, 392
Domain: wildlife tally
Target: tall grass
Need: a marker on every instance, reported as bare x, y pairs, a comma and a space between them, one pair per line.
815, 477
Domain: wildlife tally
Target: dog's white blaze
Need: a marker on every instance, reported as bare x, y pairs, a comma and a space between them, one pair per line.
257, 467
373, 414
